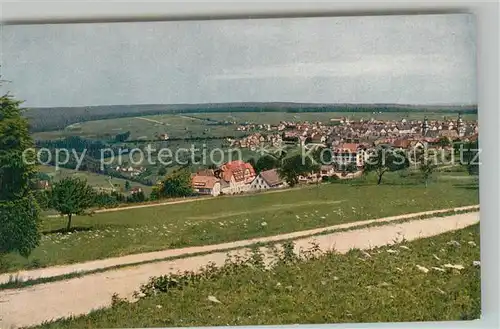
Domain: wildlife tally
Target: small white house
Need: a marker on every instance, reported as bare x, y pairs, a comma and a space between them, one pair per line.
206, 185
268, 179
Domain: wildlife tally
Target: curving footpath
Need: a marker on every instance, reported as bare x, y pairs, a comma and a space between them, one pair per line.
44, 302
171, 253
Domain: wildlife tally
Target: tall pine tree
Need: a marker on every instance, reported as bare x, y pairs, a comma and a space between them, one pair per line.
19, 211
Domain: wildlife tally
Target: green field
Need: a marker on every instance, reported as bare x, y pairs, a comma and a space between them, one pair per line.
195, 125
96, 180
147, 127
331, 288
225, 219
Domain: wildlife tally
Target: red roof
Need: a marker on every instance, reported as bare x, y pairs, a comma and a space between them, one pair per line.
271, 177
204, 181
238, 169
403, 143
348, 147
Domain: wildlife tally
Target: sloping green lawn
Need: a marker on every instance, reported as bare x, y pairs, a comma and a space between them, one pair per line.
232, 218
333, 288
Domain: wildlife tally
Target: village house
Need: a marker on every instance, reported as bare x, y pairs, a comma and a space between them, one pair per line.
163, 137
310, 178
231, 178
402, 144
268, 179
347, 153
43, 185
206, 185
130, 170
451, 134
102, 189
238, 175
135, 190
327, 171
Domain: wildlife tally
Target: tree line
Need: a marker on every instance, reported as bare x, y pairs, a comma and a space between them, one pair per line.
46, 119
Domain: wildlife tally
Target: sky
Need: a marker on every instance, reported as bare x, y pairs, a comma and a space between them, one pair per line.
420, 59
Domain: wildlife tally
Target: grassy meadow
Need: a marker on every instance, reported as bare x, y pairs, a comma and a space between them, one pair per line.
143, 127
331, 288
93, 179
231, 218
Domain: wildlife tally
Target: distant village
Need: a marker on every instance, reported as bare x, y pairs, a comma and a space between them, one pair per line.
347, 139
364, 132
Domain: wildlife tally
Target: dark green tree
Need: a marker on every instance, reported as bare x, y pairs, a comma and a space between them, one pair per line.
444, 141
43, 199
266, 162
106, 200
177, 184
251, 161
72, 196
384, 159
136, 197
43, 176
427, 167
470, 156
19, 211
122, 137
322, 155
127, 185
351, 167
296, 166
155, 193
162, 171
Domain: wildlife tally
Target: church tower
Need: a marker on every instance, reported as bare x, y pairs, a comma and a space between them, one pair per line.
425, 127
460, 126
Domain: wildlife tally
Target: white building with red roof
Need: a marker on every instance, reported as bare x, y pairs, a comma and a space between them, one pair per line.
206, 185
238, 175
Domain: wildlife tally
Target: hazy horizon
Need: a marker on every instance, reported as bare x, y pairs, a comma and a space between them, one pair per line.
274, 102
425, 60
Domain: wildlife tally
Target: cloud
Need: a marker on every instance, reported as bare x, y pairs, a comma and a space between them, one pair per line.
365, 65
410, 59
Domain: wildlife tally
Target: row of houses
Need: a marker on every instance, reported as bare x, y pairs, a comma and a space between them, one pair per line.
256, 140
133, 172
371, 130
234, 177
237, 177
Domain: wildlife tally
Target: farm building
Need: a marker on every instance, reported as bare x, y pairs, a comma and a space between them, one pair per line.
206, 185
268, 179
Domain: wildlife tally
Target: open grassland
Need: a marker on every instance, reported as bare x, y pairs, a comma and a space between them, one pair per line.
203, 153
93, 179
432, 279
146, 127
232, 218
276, 117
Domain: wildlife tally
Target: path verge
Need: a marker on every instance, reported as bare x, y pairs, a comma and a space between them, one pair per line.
45, 302
136, 259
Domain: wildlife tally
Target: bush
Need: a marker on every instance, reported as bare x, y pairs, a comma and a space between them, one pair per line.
136, 197
234, 264
42, 197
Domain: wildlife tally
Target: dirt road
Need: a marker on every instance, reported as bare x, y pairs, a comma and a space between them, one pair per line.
153, 121
158, 255
34, 305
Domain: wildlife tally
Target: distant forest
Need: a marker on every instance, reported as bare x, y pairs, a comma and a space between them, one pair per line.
55, 118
